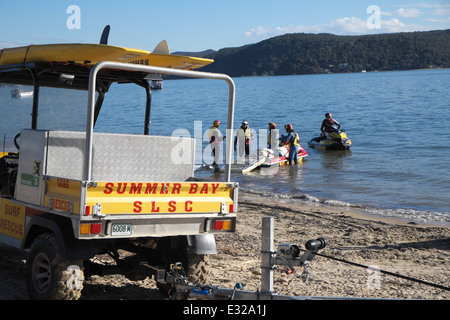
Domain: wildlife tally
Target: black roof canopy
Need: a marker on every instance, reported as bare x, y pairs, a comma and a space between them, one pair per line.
68, 76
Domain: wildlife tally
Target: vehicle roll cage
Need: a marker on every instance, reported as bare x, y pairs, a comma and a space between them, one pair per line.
97, 79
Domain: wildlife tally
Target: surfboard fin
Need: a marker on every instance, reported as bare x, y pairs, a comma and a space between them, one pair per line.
105, 35
161, 48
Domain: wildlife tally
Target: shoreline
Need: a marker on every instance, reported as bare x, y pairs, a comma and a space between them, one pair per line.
350, 210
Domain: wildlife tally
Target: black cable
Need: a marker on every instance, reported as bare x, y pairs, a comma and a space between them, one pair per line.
387, 272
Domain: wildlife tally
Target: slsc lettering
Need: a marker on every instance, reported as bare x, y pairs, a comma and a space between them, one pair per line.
172, 206
153, 207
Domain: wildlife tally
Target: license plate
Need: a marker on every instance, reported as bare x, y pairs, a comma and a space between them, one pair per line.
121, 229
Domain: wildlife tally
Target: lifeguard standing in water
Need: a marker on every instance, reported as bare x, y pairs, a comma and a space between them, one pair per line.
243, 138
291, 139
215, 138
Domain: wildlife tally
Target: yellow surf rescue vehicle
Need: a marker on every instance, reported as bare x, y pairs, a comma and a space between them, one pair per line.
67, 196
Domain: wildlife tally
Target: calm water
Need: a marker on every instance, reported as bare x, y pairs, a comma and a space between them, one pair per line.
398, 122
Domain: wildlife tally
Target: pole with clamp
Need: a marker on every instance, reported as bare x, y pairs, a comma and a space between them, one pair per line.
287, 254
267, 253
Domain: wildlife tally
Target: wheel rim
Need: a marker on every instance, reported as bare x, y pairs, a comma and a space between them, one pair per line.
41, 273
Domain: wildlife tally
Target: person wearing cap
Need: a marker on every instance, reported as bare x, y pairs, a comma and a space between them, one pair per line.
291, 139
215, 138
273, 135
243, 136
328, 125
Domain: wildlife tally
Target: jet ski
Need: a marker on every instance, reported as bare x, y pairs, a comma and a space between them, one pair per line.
335, 140
282, 157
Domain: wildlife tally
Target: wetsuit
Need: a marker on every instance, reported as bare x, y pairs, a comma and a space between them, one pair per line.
292, 140
329, 125
215, 138
270, 139
244, 137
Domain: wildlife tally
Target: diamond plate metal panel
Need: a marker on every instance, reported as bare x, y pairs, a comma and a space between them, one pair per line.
119, 157
65, 151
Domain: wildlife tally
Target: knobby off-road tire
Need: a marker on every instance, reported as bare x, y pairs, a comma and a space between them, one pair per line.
197, 269
49, 276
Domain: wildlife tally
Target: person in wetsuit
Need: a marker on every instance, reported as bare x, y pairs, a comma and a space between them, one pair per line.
215, 138
273, 135
328, 125
243, 139
291, 139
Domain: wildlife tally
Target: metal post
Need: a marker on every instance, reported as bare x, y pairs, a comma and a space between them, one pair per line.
34, 114
148, 107
229, 131
266, 255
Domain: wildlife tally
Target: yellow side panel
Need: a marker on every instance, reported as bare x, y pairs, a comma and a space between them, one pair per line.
63, 195
158, 197
12, 219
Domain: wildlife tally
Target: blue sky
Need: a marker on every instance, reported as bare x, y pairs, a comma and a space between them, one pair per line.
197, 25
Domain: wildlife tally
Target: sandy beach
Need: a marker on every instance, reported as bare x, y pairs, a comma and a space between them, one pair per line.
419, 252
416, 251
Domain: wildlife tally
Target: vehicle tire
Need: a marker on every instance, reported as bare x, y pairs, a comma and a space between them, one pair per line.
197, 270
195, 267
49, 276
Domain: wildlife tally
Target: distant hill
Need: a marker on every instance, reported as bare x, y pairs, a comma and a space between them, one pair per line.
301, 53
201, 54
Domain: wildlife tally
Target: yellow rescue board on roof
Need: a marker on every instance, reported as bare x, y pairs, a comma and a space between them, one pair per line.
82, 53
89, 54
172, 61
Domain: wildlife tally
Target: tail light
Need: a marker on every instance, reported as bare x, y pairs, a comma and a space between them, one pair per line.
222, 225
90, 228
